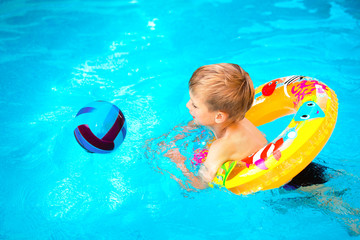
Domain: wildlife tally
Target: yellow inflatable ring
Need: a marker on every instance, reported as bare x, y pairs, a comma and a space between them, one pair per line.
314, 106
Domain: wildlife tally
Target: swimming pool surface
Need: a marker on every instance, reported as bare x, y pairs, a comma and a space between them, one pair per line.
57, 56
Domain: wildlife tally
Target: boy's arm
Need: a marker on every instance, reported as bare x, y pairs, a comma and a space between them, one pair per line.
196, 181
208, 169
214, 160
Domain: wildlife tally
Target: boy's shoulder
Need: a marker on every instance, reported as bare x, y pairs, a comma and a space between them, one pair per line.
222, 147
234, 147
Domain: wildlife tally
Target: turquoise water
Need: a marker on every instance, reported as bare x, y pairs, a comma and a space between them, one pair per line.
57, 56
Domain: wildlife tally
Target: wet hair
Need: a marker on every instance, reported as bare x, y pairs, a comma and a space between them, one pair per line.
226, 87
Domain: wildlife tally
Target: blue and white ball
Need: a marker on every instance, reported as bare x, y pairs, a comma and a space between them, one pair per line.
101, 127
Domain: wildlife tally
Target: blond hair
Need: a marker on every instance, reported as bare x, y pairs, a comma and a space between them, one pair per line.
226, 87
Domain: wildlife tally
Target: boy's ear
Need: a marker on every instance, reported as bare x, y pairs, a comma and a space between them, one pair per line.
221, 117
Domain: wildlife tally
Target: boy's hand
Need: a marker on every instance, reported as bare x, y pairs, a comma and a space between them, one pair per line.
175, 155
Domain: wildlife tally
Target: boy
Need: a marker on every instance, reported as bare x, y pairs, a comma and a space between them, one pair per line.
220, 95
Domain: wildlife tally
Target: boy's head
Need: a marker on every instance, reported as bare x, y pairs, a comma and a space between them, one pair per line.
225, 87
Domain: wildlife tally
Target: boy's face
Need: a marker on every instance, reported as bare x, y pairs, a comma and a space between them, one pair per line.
199, 111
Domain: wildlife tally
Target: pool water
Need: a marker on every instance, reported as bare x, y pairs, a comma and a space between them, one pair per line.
57, 56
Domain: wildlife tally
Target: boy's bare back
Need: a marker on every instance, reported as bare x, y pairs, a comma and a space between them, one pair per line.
240, 140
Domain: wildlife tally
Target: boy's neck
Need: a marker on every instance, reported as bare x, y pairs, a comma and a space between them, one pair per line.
220, 129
